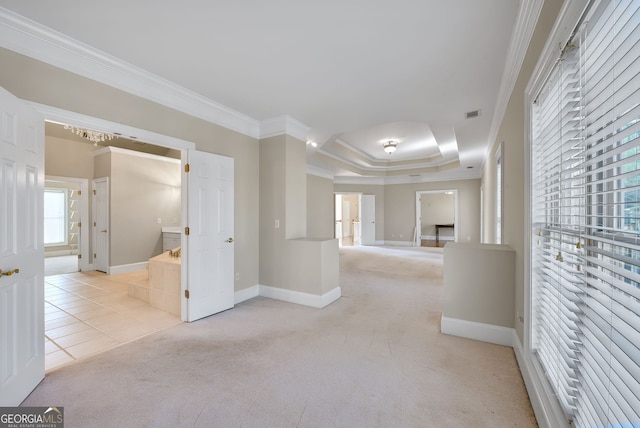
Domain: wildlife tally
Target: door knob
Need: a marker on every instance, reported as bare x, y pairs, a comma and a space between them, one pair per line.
230, 240
9, 273
104, 231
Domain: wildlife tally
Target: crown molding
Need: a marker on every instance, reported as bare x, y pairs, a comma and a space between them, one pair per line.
407, 179
27, 37
284, 124
319, 172
526, 21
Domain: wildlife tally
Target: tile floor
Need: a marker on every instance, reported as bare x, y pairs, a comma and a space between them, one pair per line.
89, 312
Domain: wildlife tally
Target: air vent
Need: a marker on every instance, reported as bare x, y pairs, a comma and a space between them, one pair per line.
472, 114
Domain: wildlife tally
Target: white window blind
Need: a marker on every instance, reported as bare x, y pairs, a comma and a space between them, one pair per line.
585, 253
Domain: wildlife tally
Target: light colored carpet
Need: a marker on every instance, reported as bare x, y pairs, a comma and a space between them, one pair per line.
373, 358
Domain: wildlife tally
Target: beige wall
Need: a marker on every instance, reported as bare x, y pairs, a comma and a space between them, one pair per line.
66, 158
512, 133
320, 207
142, 190
35, 81
436, 208
289, 261
400, 208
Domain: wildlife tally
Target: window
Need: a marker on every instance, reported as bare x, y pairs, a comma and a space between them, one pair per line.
585, 203
55, 217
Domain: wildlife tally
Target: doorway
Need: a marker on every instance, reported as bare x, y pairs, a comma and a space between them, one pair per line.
66, 212
347, 218
436, 217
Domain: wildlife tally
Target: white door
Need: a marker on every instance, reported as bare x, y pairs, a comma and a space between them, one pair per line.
101, 224
346, 216
368, 219
21, 249
208, 288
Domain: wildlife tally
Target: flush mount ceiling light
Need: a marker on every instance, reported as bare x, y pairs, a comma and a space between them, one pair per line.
390, 146
93, 136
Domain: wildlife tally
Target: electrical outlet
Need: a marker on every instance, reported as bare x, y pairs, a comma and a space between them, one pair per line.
401, 235
237, 276
277, 224
159, 220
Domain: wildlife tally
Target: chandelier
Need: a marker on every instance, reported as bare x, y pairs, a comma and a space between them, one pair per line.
390, 146
93, 136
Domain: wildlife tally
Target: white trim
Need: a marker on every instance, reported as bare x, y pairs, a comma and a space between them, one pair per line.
478, 331
398, 243
409, 179
132, 267
37, 41
546, 409
442, 238
319, 172
59, 253
112, 149
58, 115
246, 294
284, 124
306, 299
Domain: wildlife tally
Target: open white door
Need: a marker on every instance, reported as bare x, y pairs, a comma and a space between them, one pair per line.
101, 224
21, 249
209, 258
368, 219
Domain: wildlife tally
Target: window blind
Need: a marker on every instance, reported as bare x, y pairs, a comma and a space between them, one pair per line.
585, 255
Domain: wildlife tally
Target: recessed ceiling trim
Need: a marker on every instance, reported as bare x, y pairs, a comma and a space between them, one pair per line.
27, 37
386, 167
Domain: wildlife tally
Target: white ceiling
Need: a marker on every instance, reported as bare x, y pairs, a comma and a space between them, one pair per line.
356, 72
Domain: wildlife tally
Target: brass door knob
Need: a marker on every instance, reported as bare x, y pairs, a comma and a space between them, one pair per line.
230, 240
9, 273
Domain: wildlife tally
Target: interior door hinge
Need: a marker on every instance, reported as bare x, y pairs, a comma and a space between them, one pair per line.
186, 230
94, 191
79, 192
186, 294
79, 224
187, 168
94, 255
94, 224
79, 256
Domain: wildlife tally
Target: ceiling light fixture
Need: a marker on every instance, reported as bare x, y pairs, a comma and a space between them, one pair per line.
390, 146
312, 144
94, 136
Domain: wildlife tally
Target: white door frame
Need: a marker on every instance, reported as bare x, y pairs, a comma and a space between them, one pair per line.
95, 227
359, 212
54, 114
84, 263
419, 193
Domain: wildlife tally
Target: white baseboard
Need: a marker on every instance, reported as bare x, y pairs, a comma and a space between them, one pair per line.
442, 238
306, 299
478, 331
113, 270
400, 243
546, 409
59, 253
246, 294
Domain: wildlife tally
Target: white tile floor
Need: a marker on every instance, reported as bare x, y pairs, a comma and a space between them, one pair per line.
89, 312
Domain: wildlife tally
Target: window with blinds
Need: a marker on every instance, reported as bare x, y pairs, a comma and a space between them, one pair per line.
585, 202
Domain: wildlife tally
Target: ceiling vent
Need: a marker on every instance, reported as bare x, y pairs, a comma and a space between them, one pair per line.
473, 114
